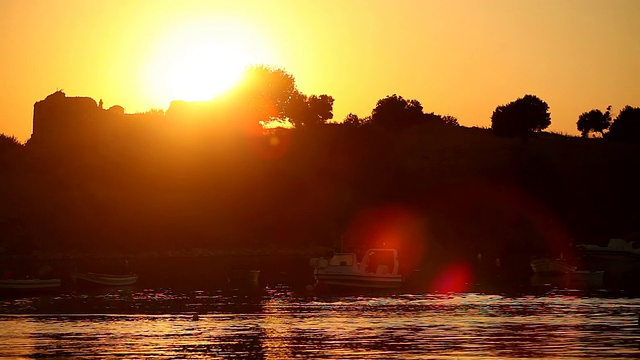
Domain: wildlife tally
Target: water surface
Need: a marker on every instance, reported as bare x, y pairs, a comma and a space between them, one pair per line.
279, 323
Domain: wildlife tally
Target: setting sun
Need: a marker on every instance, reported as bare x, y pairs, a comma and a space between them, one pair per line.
201, 72
200, 60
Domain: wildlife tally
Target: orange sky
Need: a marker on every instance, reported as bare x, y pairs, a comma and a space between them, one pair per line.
461, 58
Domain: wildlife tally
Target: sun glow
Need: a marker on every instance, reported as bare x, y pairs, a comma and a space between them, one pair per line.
201, 61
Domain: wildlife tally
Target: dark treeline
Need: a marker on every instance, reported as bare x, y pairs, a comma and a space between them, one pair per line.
205, 176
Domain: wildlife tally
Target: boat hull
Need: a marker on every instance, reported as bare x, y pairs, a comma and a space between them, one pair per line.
30, 284
578, 280
372, 281
105, 279
611, 260
551, 266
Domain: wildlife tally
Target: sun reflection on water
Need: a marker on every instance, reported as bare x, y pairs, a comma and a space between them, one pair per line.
281, 325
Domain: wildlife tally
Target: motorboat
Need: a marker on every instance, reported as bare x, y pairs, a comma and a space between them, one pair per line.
551, 266
619, 256
378, 269
30, 284
105, 279
619, 248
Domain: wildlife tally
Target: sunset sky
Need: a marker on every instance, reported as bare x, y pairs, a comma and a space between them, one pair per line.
457, 57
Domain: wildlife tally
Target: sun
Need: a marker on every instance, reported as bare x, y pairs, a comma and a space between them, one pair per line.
202, 71
201, 60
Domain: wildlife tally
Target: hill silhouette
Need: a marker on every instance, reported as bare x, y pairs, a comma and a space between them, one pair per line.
160, 182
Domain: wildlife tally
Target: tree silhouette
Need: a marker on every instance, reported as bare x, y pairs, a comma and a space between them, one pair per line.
297, 110
271, 95
321, 108
521, 117
594, 121
312, 110
395, 112
626, 127
267, 92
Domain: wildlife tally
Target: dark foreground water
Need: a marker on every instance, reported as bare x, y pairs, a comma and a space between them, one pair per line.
279, 323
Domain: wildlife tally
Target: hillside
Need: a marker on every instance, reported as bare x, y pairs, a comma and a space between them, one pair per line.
432, 190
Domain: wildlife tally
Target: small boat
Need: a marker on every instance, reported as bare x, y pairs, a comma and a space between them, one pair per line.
378, 269
105, 279
30, 284
551, 266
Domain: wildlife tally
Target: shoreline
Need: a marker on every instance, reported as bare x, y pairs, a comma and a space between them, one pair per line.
168, 254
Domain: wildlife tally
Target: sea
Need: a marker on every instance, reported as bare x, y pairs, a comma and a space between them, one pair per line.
280, 321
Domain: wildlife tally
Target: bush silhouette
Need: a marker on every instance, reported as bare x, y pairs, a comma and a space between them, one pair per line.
626, 127
594, 121
521, 117
353, 120
8, 143
450, 120
395, 112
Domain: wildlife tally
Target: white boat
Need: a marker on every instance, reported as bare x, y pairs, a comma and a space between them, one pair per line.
551, 266
30, 284
377, 269
105, 279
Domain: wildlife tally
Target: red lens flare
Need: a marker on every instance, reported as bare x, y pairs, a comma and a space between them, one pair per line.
456, 277
391, 226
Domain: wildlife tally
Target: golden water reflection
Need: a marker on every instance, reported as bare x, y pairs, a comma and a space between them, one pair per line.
281, 325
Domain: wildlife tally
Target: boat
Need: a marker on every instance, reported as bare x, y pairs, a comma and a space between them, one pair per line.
551, 266
105, 279
30, 284
378, 269
618, 257
577, 279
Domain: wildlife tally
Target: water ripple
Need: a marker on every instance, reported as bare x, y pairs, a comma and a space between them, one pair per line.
277, 324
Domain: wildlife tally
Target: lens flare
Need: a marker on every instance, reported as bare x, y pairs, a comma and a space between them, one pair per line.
391, 226
456, 277
272, 145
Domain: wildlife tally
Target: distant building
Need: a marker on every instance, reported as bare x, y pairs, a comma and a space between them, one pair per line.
59, 116
60, 121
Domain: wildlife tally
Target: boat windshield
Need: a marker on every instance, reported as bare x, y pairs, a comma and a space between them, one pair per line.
342, 260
